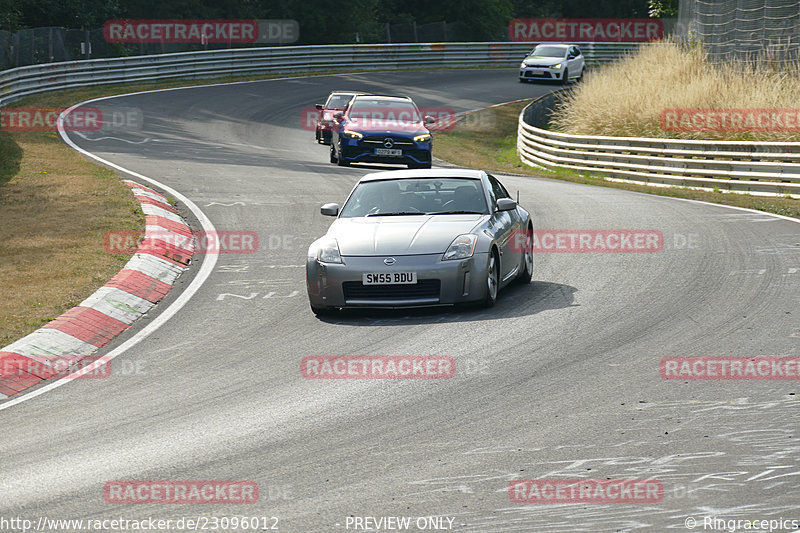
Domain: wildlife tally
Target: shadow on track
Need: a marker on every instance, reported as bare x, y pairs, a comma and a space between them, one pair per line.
513, 301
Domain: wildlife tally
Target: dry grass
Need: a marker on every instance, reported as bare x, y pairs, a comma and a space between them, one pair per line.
489, 135
626, 98
55, 208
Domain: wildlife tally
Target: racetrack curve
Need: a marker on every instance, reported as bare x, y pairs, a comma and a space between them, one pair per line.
559, 380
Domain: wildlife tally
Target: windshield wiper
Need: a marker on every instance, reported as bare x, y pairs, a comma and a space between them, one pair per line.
456, 213
395, 214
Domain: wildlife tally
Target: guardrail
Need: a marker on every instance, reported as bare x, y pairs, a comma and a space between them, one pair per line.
765, 168
23, 81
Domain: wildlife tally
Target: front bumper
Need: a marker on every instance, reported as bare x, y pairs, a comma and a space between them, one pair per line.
438, 282
539, 73
358, 151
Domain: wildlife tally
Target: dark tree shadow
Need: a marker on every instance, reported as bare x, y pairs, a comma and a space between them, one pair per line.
10, 157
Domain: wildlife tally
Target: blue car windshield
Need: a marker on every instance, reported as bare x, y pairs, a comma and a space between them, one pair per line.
421, 196
386, 110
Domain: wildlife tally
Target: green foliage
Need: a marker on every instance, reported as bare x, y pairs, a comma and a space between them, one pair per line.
663, 8
10, 157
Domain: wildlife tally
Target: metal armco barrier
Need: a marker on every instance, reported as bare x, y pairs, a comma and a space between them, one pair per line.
768, 168
19, 82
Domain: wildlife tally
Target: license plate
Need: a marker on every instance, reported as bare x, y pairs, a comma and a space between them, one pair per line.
388, 151
389, 278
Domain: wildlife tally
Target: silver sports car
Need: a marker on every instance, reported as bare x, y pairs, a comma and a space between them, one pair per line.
407, 238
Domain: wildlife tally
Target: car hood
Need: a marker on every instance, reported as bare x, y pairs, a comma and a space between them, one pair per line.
385, 126
400, 235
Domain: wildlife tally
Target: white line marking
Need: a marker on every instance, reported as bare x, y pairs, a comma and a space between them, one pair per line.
209, 261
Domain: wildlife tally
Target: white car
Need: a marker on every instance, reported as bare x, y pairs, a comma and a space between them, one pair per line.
560, 62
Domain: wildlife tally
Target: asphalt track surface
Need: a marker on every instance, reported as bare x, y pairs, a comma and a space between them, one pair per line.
559, 380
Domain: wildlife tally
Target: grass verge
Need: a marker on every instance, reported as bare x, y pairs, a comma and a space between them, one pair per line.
488, 140
55, 208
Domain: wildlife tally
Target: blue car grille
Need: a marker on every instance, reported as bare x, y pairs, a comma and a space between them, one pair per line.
397, 141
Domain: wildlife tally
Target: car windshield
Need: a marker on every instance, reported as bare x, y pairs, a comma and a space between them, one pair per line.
549, 51
384, 110
338, 101
422, 196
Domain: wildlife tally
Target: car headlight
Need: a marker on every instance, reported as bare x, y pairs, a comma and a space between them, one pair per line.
328, 252
462, 247
522, 65
350, 134
556, 66
425, 137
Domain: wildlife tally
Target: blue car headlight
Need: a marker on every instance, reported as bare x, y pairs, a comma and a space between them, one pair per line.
350, 134
425, 137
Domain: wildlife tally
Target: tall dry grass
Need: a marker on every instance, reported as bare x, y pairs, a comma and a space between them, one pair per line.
626, 98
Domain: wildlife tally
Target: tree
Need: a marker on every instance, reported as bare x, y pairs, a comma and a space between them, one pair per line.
663, 8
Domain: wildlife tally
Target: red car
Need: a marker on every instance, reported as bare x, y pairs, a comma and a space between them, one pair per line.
337, 101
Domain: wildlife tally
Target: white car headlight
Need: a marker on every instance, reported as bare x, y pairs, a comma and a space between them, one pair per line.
523, 65
328, 251
556, 66
425, 137
462, 247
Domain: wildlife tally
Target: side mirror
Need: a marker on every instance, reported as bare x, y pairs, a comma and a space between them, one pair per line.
429, 120
318, 106
506, 204
330, 210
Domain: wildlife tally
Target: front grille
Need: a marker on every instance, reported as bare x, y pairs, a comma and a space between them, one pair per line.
538, 75
398, 141
424, 288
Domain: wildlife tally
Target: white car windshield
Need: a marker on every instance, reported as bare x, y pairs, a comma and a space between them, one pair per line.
549, 51
338, 101
423, 196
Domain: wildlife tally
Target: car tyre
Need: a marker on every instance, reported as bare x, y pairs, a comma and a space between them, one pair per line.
334, 159
492, 280
565, 79
526, 274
